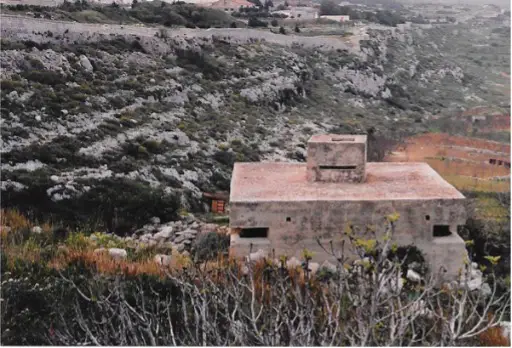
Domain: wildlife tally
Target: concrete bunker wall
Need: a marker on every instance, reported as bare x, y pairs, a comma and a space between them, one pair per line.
341, 159
293, 226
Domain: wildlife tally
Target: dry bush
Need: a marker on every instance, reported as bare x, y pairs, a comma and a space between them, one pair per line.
28, 252
232, 302
493, 337
103, 263
13, 219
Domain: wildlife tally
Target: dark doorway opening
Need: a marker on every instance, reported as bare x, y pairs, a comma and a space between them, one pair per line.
254, 232
442, 231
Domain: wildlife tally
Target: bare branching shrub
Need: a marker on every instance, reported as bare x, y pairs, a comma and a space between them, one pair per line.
364, 303
78, 297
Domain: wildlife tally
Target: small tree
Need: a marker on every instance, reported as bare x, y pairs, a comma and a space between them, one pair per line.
134, 3
297, 29
274, 23
255, 22
329, 7
282, 30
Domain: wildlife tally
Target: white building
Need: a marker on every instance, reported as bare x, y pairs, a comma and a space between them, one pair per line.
335, 18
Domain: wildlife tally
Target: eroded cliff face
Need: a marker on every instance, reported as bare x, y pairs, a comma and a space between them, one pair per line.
89, 110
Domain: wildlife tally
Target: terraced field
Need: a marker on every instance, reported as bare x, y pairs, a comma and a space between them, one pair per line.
465, 163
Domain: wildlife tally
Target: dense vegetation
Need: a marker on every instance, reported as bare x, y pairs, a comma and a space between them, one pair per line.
56, 291
151, 13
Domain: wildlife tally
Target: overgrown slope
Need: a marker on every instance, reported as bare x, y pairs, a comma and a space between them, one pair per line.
84, 119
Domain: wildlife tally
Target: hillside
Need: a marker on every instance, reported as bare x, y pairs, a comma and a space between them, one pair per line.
106, 126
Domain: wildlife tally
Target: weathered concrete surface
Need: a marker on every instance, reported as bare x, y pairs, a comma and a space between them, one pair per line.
327, 221
331, 158
287, 182
298, 213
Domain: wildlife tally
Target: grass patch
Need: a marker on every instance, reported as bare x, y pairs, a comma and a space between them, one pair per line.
473, 184
489, 208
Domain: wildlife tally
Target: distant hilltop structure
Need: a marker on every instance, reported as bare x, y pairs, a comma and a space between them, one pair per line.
340, 19
285, 207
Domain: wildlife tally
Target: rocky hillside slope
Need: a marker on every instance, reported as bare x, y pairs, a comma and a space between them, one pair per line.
108, 128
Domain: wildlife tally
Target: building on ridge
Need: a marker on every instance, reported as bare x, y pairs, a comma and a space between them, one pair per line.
285, 208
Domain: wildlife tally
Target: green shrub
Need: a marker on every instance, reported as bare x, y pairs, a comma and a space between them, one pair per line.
211, 69
77, 241
210, 245
225, 157
115, 205
8, 86
46, 77
255, 23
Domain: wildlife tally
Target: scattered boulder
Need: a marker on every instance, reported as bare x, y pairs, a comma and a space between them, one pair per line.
486, 290
99, 251
413, 276
476, 273
118, 254
37, 230
258, 255
180, 239
163, 260
223, 230
62, 249
328, 266
185, 236
415, 266
293, 262
474, 284
362, 261
165, 233
505, 328
313, 267
188, 218
85, 63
